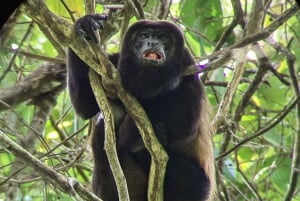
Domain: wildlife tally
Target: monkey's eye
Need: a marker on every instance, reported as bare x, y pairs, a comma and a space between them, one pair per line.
143, 35
163, 37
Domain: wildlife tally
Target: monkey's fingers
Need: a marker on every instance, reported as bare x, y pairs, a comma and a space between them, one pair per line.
87, 26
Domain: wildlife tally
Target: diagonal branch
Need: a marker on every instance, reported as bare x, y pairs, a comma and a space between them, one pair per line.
67, 185
62, 31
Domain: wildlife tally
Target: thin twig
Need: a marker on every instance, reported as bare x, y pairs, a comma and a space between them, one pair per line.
269, 125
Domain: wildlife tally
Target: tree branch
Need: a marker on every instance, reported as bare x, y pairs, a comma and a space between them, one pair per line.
43, 80
68, 185
63, 32
43, 105
269, 125
110, 138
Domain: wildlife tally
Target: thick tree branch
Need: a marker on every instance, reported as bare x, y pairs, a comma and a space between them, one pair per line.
137, 8
158, 155
63, 33
163, 9
43, 80
110, 138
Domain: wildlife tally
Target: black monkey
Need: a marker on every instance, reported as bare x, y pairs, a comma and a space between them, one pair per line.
7, 10
151, 63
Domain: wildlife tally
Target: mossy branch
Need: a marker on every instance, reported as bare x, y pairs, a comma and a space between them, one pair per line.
110, 138
62, 31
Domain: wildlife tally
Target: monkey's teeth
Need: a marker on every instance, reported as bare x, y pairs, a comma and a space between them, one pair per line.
152, 55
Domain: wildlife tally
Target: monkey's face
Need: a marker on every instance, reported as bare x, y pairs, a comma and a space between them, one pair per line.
152, 58
152, 47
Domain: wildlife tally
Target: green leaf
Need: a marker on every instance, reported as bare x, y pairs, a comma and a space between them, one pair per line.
203, 18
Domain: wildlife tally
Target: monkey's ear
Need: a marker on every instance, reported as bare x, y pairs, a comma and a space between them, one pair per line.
88, 25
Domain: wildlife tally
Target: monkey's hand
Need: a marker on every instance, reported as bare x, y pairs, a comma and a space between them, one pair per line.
88, 25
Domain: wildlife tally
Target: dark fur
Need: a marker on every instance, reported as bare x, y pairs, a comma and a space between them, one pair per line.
173, 103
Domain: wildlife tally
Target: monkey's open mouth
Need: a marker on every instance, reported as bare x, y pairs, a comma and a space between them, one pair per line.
153, 55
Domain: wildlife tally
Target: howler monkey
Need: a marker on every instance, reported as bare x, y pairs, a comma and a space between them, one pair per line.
151, 64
